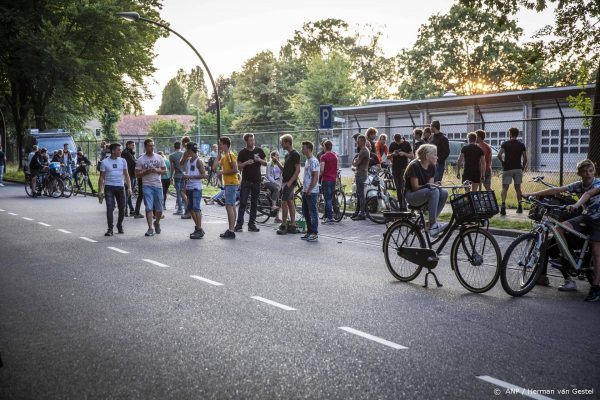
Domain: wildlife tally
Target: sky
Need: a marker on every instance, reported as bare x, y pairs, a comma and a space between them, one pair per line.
229, 32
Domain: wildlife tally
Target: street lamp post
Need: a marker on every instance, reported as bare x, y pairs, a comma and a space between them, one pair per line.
133, 16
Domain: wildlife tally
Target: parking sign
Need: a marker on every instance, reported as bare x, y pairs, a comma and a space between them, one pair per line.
326, 117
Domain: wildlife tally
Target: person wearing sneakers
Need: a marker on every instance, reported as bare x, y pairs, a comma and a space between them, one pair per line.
587, 189
361, 163
150, 167
114, 177
186, 215
193, 174
250, 159
231, 181
329, 168
310, 193
289, 176
177, 174
419, 191
513, 156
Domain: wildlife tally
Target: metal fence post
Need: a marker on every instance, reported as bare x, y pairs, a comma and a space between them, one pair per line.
561, 149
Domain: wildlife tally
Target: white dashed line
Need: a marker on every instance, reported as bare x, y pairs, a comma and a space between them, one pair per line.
512, 389
11, 213
155, 263
273, 303
44, 224
27, 219
206, 280
63, 230
118, 250
88, 239
373, 338
1, 210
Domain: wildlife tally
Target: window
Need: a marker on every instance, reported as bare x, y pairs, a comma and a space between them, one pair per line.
463, 135
544, 150
584, 150
585, 132
554, 132
546, 141
554, 141
574, 132
554, 150
545, 132
574, 150
98, 132
574, 141
585, 140
502, 134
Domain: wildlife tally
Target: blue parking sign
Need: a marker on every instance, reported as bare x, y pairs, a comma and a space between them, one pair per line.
326, 117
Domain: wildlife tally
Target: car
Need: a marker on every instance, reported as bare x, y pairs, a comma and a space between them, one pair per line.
53, 140
457, 145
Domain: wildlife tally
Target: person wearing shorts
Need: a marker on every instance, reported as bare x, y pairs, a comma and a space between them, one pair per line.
193, 174
149, 167
474, 160
231, 181
290, 172
513, 156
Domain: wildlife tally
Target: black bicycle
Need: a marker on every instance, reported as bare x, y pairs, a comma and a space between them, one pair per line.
474, 257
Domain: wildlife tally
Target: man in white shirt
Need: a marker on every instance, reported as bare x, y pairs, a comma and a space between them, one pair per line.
149, 167
111, 184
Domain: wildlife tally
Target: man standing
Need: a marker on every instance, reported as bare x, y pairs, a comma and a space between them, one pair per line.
514, 163
400, 152
194, 172
291, 171
129, 156
249, 162
310, 193
361, 163
487, 152
2, 162
443, 149
418, 138
67, 159
474, 160
111, 184
426, 135
149, 167
177, 174
328, 167
371, 133
229, 171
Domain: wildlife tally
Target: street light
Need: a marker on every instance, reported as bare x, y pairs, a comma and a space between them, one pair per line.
133, 16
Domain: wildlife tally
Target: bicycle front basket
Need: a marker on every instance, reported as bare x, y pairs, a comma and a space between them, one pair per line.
474, 206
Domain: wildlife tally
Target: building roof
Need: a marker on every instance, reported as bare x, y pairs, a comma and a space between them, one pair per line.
138, 125
481, 99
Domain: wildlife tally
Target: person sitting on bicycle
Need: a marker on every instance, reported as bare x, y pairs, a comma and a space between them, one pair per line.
419, 190
588, 188
273, 182
58, 157
37, 166
81, 170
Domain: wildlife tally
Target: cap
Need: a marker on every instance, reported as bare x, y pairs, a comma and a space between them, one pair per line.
192, 146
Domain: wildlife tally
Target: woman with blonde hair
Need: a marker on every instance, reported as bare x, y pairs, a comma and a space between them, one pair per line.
419, 187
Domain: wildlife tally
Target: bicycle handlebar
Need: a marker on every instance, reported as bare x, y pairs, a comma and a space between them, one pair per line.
533, 199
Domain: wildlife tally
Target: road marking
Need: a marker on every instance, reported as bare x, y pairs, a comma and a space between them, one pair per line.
155, 263
373, 338
88, 239
63, 230
1, 210
43, 224
118, 250
514, 389
206, 280
27, 219
11, 213
273, 303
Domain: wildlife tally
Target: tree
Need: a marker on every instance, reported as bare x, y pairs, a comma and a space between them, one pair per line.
166, 128
108, 119
574, 36
328, 82
173, 100
72, 54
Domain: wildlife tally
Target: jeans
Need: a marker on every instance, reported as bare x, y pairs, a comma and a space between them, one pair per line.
275, 189
440, 167
248, 189
130, 198
309, 209
434, 197
360, 194
140, 197
399, 182
178, 182
1, 173
166, 184
114, 194
328, 188
153, 198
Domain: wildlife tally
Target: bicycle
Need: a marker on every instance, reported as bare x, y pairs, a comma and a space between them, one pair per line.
45, 182
526, 257
81, 182
408, 247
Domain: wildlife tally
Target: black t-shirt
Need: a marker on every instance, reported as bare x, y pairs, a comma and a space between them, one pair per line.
289, 166
399, 163
513, 150
443, 146
472, 155
251, 173
415, 169
1, 157
418, 144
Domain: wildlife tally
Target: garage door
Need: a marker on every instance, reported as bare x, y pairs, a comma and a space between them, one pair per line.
453, 125
402, 125
497, 124
576, 139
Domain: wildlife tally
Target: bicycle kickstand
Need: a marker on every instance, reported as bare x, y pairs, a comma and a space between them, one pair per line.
438, 284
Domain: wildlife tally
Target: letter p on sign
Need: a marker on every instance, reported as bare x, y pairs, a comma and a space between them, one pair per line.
326, 117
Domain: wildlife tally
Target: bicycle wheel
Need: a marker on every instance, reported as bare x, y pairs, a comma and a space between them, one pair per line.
374, 209
68, 186
28, 188
402, 234
263, 208
521, 266
339, 205
475, 258
55, 187
298, 203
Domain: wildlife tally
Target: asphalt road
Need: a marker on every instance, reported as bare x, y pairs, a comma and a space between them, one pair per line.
83, 316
